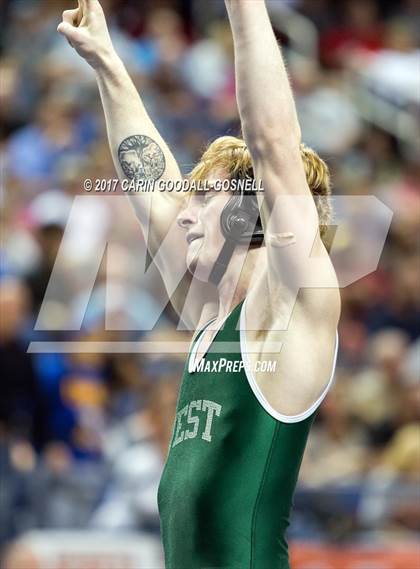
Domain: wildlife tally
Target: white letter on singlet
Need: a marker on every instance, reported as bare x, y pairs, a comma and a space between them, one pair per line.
193, 419
179, 436
212, 408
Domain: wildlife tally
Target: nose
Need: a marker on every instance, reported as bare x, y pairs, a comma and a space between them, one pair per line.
188, 216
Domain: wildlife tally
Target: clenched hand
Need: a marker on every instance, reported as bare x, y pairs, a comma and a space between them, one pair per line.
86, 31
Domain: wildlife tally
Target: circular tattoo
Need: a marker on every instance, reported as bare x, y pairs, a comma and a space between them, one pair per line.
141, 158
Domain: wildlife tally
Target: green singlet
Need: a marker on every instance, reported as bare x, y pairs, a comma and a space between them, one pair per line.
226, 491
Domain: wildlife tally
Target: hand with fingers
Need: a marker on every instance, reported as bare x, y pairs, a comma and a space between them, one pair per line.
86, 31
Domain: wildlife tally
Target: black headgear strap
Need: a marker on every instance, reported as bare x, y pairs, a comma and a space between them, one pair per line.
240, 222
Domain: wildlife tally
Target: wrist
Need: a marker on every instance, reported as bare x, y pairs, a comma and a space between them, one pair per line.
244, 4
245, 12
105, 61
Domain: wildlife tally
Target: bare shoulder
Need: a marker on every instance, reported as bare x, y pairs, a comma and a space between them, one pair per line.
291, 346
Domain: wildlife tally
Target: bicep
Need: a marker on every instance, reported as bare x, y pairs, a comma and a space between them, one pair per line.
288, 204
290, 219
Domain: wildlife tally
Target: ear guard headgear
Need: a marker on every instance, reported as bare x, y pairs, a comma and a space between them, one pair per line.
240, 222
240, 219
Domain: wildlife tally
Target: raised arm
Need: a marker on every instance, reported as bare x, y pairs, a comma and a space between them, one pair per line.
264, 96
283, 305
138, 150
272, 133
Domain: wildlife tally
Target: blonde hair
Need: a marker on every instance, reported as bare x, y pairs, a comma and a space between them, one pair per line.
232, 154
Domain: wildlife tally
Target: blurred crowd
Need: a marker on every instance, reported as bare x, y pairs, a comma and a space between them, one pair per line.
83, 435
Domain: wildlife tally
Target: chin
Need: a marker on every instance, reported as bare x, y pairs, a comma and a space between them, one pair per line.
199, 270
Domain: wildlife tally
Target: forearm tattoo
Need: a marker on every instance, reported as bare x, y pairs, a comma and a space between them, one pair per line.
141, 158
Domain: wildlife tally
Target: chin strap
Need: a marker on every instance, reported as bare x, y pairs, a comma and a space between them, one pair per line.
222, 261
225, 255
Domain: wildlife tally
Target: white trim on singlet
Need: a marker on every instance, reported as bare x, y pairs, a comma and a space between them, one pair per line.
259, 394
193, 351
